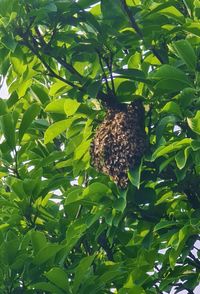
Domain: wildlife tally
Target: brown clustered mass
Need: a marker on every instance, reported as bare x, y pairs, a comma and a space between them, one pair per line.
120, 141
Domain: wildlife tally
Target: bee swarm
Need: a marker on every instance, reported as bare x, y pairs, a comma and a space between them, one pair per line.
119, 142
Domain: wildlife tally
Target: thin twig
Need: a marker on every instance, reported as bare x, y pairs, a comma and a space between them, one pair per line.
131, 18
109, 64
104, 73
52, 73
138, 30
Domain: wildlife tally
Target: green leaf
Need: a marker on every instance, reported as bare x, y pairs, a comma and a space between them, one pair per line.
195, 145
9, 42
163, 123
164, 224
178, 242
194, 123
46, 253
58, 86
6, 7
71, 106
3, 107
23, 86
112, 10
186, 52
193, 27
120, 204
181, 157
56, 106
41, 93
38, 240
136, 289
134, 175
82, 271
170, 85
96, 191
169, 73
58, 277
172, 107
132, 74
44, 286
28, 118
82, 149
162, 150
55, 130
8, 128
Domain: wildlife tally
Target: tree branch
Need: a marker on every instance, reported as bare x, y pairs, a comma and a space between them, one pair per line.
138, 30
131, 19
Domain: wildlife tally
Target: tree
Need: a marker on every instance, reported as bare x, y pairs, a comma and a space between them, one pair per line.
64, 226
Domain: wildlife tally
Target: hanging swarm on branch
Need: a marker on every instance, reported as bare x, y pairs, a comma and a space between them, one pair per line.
120, 141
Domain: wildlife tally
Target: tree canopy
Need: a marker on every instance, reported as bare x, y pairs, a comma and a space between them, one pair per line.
64, 226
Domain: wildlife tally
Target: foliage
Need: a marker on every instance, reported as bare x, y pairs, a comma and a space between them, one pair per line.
65, 228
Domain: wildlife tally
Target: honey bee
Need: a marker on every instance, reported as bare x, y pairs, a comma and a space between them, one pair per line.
119, 141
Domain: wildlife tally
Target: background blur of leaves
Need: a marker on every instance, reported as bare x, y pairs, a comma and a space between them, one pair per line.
65, 228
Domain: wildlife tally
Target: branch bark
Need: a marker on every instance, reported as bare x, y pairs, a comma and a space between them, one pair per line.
138, 30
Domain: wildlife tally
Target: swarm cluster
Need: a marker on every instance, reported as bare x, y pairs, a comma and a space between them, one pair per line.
119, 142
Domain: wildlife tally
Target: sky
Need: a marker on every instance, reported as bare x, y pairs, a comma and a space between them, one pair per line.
4, 91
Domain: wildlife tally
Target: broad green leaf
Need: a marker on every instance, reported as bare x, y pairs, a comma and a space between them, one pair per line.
17, 61
133, 2
96, 191
171, 147
38, 240
28, 118
96, 10
77, 228
169, 10
186, 52
172, 108
181, 157
3, 107
169, 73
82, 271
110, 10
195, 145
41, 93
49, 287
194, 123
189, 4
193, 27
120, 204
9, 42
173, 13
46, 253
170, 85
58, 277
56, 106
135, 60
186, 97
23, 87
6, 7
165, 224
134, 175
136, 289
71, 106
82, 149
4, 226
163, 123
132, 74
58, 86
55, 130
178, 243
8, 128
